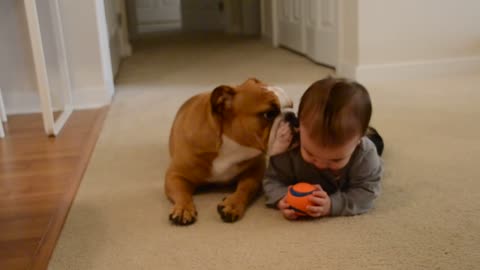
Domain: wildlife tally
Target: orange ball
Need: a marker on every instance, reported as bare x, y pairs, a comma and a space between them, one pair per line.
297, 197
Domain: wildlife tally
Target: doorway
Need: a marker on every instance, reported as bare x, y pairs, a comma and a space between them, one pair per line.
222, 16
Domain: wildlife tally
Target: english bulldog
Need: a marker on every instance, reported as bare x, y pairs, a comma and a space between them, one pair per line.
221, 137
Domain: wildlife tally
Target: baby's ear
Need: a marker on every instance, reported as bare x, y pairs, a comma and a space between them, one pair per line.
221, 99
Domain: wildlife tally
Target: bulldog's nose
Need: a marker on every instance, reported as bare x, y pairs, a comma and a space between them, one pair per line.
292, 119
283, 98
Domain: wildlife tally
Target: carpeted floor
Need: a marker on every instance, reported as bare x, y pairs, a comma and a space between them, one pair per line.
428, 216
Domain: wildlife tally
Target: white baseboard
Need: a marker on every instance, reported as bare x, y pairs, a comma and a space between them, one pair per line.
125, 49
23, 102
267, 40
417, 70
151, 28
346, 70
90, 98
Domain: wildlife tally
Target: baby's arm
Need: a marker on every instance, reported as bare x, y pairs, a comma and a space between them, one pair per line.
364, 187
279, 175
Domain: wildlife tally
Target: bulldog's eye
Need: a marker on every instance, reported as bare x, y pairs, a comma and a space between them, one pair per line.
271, 114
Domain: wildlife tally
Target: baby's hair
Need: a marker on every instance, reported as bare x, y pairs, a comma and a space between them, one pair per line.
335, 110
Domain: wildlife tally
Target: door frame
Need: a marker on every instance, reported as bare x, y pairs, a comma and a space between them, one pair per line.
104, 42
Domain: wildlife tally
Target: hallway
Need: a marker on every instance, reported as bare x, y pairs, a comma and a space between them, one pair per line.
198, 59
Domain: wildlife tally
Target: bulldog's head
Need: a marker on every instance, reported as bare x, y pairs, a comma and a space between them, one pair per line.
247, 112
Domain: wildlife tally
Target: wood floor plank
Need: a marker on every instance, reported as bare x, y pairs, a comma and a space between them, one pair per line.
39, 177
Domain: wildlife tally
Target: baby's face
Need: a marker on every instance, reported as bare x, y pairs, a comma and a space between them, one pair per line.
326, 158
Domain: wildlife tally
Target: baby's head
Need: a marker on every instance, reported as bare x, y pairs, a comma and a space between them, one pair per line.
334, 115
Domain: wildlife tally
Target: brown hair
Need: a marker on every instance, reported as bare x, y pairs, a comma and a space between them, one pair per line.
335, 110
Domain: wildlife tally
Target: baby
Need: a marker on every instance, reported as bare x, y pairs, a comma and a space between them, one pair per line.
334, 152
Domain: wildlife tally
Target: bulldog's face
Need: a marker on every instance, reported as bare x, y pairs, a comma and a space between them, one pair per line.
248, 111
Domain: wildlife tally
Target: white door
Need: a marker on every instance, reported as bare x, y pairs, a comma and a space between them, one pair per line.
291, 29
158, 15
321, 31
309, 27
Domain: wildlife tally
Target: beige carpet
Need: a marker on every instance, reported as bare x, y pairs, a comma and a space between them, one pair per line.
428, 216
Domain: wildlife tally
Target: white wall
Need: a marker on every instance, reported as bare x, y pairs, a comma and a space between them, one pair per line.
418, 37
348, 38
84, 53
349, 31
399, 31
17, 77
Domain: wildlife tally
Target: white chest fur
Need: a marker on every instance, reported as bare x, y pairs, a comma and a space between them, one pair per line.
226, 165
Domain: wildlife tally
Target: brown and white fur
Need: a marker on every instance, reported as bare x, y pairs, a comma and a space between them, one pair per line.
219, 137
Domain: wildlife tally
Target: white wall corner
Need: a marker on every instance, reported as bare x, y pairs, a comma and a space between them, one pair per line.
418, 69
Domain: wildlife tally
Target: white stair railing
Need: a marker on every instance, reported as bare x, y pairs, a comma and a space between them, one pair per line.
52, 126
3, 115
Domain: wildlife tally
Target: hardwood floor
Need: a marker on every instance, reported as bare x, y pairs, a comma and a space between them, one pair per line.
39, 177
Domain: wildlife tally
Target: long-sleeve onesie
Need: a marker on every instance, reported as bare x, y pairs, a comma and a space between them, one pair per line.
352, 190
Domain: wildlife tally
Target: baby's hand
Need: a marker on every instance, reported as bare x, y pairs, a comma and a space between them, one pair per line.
285, 209
282, 139
321, 203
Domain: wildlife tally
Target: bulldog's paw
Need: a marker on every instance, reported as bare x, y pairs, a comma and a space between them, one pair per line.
229, 210
183, 214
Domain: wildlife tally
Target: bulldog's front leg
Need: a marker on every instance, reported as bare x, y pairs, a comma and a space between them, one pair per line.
180, 192
233, 207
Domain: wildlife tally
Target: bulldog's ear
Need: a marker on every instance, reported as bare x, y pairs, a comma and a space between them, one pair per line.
221, 99
255, 80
